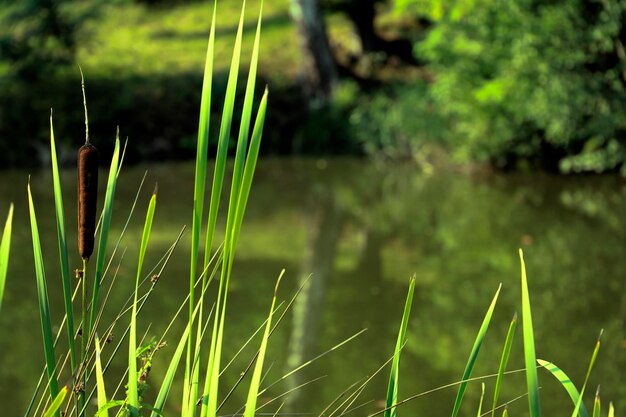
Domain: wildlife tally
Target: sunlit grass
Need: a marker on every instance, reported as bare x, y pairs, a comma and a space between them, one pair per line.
172, 40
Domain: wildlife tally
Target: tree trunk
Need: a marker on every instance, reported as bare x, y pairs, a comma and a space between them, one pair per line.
319, 72
362, 15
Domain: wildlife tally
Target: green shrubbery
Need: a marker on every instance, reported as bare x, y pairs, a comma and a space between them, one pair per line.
528, 81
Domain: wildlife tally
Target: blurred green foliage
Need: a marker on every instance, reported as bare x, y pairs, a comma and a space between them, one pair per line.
517, 84
519, 80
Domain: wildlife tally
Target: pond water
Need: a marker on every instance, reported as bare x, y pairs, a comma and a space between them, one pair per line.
362, 231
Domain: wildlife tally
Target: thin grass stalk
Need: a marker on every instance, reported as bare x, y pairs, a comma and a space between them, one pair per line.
258, 369
44, 307
353, 397
84, 338
340, 396
392, 387
133, 399
530, 358
310, 361
5, 247
504, 359
591, 363
482, 397
453, 384
289, 391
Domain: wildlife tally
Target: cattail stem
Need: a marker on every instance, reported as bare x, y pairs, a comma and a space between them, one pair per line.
82, 376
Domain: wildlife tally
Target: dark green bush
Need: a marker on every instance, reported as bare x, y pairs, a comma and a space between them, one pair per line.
540, 82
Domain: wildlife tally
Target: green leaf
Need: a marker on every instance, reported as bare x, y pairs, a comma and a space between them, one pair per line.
44, 307
474, 354
53, 410
104, 410
392, 387
530, 358
566, 382
596, 404
611, 410
5, 246
198, 210
244, 130
63, 255
104, 232
504, 359
210, 391
169, 375
594, 355
258, 367
102, 395
133, 398
248, 174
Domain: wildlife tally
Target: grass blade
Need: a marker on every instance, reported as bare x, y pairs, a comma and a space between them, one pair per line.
104, 231
566, 382
53, 410
611, 410
44, 307
5, 246
504, 359
224, 136
530, 358
474, 354
258, 368
244, 130
198, 207
482, 397
102, 394
248, 174
392, 387
591, 363
596, 404
133, 399
210, 392
169, 375
63, 256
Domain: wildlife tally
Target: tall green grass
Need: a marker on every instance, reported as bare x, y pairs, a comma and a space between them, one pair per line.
5, 247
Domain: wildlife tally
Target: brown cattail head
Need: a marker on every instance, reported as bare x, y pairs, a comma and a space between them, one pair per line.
87, 198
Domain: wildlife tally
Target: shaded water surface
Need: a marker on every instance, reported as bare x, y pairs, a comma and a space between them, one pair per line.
361, 231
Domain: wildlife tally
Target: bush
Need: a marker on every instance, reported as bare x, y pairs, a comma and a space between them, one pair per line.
530, 81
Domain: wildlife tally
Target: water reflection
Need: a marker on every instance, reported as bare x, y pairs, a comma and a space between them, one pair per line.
362, 231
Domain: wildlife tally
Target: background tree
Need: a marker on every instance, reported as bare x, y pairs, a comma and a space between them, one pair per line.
319, 72
362, 14
39, 34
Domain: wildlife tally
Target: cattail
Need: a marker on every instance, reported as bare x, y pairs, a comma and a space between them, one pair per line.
87, 198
